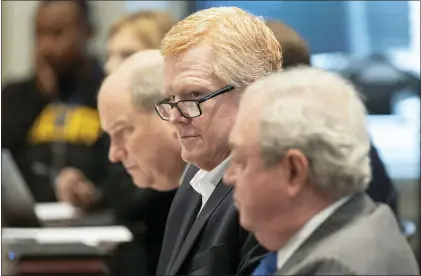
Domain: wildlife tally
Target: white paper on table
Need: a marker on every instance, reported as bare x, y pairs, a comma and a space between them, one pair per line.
91, 236
56, 211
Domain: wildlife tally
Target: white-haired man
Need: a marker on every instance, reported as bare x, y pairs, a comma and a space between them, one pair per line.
300, 167
210, 57
147, 146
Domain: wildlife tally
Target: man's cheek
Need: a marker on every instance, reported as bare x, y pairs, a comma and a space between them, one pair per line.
134, 145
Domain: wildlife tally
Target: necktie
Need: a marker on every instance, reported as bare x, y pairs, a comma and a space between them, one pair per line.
267, 266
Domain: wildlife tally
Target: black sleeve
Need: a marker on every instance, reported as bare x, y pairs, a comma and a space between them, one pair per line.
381, 188
20, 106
129, 202
120, 194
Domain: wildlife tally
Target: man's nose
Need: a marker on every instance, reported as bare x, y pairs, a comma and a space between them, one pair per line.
116, 154
176, 117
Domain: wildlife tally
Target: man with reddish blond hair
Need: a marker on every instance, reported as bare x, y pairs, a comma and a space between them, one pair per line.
210, 57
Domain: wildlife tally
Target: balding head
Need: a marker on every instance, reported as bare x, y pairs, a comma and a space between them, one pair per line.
141, 75
126, 103
143, 59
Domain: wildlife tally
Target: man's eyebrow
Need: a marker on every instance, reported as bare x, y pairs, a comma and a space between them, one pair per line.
117, 124
184, 89
167, 92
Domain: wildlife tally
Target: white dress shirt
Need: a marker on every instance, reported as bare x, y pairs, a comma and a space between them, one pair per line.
205, 182
302, 235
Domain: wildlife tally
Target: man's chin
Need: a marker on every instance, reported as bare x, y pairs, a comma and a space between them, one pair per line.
141, 182
141, 185
189, 156
246, 223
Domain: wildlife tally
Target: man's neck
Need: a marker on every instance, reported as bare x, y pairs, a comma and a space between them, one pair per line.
171, 181
279, 232
209, 165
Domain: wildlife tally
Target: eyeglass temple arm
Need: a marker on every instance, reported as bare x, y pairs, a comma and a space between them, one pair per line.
217, 93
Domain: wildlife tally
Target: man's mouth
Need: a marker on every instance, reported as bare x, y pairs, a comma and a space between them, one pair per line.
185, 137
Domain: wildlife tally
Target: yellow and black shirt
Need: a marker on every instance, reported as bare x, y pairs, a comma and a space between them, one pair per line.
46, 135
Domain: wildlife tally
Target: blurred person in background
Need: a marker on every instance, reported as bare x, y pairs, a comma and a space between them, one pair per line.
295, 52
210, 57
139, 31
300, 167
49, 121
146, 145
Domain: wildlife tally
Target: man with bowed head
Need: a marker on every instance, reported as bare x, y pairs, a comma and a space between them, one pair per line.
300, 166
210, 57
147, 146
295, 52
142, 142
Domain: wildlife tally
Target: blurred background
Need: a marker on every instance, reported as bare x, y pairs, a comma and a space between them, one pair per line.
376, 44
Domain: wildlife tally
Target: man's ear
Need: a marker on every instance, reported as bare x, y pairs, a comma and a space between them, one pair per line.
298, 170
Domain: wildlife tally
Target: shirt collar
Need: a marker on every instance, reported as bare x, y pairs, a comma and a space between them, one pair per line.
210, 179
304, 233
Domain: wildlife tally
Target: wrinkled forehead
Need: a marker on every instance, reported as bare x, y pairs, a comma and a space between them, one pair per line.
115, 113
193, 67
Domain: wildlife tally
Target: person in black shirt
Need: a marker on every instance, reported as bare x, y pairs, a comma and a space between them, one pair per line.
49, 121
147, 146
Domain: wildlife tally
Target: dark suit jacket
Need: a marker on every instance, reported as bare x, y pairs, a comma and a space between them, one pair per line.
381, 188
215, 244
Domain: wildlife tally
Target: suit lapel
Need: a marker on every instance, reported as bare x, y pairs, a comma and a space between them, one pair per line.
190, 210
356, 207
184, 212
218, 195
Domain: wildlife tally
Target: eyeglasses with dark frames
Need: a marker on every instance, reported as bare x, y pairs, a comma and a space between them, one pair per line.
187, 108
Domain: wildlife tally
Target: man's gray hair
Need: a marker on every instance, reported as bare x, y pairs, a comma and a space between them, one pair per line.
147, 80
322, 115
